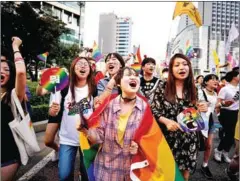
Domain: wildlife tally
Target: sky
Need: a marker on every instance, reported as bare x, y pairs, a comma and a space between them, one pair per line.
152, 24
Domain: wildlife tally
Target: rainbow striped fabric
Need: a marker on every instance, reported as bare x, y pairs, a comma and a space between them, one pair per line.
137, 57
189, 50
154, 160
136, 66
96, 54
43, 56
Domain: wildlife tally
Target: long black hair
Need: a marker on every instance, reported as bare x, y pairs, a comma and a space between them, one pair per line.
10, 85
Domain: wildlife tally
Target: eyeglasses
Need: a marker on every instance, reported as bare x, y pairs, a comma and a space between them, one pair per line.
81, 64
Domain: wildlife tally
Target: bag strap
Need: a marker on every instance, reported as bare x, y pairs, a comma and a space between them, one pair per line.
204, 95
13, 105
17, 103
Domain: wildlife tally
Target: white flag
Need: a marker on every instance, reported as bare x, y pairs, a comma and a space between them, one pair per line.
233, 34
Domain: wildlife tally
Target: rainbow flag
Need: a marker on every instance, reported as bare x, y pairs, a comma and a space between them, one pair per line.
154, 160
137, 67
96, 54
43, 56
189, 50
137, 57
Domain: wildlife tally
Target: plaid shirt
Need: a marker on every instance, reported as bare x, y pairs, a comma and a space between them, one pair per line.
113, 161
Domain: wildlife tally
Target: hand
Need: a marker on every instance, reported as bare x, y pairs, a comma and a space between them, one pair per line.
173, 126
97, 102
54, 109
81, 128
133, 148
202, 106
16, 42
227, 103
112, 82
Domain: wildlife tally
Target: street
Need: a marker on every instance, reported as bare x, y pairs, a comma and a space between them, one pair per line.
41, 168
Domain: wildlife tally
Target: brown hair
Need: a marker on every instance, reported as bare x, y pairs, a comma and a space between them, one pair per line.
73, 79
188, 87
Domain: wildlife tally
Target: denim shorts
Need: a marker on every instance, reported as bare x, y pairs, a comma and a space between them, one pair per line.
10, 162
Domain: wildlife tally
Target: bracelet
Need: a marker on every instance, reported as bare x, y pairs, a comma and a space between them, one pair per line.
18, 59
19, 62
16, 52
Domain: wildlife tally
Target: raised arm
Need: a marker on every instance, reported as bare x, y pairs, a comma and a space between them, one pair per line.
20, 69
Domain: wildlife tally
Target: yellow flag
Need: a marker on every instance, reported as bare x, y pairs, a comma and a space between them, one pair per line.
215, 57
189, 9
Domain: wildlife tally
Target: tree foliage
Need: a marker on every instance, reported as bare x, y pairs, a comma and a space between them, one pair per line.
40, 32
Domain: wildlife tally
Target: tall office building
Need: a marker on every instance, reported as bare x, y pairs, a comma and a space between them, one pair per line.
115, 34
217, 18
72, 14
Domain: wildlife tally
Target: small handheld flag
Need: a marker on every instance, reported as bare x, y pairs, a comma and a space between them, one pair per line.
43, 56
96, 54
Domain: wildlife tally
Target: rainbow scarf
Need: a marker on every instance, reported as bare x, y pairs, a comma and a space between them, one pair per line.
154, 160
96, 54
43, 56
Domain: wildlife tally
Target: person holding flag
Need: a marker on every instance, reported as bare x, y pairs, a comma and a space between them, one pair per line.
170, 99
132, 145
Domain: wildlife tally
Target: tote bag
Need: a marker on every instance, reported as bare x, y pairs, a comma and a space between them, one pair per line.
23, 131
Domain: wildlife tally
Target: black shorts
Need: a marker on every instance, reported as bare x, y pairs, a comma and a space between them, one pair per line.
10, 162
55, 119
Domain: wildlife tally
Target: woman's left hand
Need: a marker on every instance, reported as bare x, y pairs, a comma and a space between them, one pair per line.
202, 106
133, 148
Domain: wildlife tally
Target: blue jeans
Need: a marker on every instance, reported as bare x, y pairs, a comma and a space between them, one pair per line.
67, 156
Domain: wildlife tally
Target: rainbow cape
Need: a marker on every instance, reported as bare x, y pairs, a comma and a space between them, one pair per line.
154, 160
96, 54
43, 56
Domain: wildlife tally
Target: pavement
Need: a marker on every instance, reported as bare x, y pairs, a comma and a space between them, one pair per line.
41, 168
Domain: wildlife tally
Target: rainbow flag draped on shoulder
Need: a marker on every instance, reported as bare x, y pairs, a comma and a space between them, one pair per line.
154, 160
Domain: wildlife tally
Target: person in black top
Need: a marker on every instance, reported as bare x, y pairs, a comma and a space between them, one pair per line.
148, 81
12, 76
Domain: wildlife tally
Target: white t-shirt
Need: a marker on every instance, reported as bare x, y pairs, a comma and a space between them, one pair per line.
68, 133
230, 92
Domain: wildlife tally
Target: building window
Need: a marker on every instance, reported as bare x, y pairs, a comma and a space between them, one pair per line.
57, 12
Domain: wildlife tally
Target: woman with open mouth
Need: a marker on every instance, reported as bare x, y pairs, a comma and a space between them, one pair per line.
119, 121
12, 76
107, 85
75, 107
170, 99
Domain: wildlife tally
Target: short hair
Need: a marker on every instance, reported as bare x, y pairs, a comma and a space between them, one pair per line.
148, 60
230, 75
209, 77
223, 78
164, 70
235, 69
199, 77
120, 74
117, 56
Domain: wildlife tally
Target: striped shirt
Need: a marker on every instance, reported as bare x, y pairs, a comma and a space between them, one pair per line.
113, 160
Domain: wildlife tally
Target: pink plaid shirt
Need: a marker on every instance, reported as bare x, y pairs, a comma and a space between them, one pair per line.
113, 161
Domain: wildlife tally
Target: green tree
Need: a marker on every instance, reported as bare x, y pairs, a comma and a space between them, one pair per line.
40, 33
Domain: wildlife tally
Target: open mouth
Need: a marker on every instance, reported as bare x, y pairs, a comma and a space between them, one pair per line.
182, 73
151, 69
2, 78
82, 71
111, 67
133, 84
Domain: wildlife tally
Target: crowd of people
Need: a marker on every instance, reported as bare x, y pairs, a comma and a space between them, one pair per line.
168, 96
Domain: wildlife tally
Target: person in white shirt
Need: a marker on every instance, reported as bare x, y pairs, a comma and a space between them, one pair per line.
78, 106
228, 99
210, 82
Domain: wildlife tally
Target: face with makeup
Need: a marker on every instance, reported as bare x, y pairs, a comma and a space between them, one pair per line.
129, 83
82, 69
180, 69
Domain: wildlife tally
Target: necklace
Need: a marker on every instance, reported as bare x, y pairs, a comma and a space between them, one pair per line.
210, 92
127, 99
